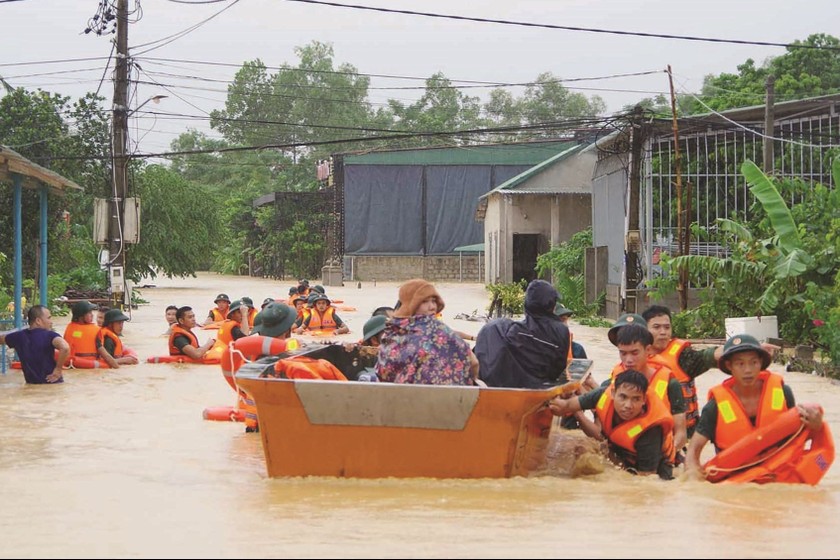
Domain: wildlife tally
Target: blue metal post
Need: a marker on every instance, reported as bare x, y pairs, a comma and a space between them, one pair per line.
17, 211
42, 281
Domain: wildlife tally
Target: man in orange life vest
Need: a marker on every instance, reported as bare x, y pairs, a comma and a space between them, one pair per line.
82, 330
248, 309
219, 313
753, 397
323, 317
637, 425
182, 340
630, 335
685, 362
276, 321
108, 343
235, 326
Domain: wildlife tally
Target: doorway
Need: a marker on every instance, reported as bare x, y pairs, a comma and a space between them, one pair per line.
526, 248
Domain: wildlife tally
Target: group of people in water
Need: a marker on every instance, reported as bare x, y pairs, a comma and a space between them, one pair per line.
646, 410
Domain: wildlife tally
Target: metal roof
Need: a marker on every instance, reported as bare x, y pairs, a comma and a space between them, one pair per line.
509, 186
12, 163
530, 153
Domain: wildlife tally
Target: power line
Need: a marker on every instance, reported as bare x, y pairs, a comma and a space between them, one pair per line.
427, 86
364, 139
568, 27
169, 39
58, 61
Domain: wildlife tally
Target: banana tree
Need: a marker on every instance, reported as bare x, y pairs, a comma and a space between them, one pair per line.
757, 275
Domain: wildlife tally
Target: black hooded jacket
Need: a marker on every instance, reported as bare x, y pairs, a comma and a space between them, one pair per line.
529, 353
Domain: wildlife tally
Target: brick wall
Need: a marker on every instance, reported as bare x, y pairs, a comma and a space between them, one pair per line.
440, 269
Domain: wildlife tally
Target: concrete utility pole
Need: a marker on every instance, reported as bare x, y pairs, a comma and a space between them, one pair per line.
119, 143
633, 241
769, 125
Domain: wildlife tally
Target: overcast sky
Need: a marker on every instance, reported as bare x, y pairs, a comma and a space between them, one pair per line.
395, 44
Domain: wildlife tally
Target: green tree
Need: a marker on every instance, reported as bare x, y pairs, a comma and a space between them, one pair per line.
72, 140
799, 73
180, 227
312, 101
547, 101
565, 263
784, 263
441, 108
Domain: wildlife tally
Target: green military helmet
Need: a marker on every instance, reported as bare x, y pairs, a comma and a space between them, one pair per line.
114, 315
373, 327
274, 320
235, 306
623, 321
743, 343
82, 308
561, 311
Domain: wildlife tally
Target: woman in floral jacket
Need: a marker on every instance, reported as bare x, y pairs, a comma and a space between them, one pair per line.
419, 348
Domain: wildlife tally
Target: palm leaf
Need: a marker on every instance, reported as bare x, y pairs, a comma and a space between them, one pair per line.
738, 230
716, 267
773, 203
793, 264
769, 300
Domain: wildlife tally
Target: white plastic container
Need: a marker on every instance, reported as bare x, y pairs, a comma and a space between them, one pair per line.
761, 328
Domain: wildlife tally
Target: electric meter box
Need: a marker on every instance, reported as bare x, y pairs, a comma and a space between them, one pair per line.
117, 280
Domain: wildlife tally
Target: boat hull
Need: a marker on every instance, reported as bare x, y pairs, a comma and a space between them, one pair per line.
376, 430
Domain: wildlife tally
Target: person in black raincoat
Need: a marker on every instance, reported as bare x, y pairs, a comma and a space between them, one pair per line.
530, 353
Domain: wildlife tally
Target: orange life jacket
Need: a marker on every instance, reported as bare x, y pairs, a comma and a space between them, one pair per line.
104, 333
82, 339
325, 322
304, 314
252, 314
178, 330
625, 434
303, 367
225, 334
733, 422
218, 316
669, 358
657, 383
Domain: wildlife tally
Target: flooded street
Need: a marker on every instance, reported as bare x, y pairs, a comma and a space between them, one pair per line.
120, 463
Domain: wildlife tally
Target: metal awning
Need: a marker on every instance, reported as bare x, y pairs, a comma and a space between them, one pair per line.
23, 173
477, 248
33, 176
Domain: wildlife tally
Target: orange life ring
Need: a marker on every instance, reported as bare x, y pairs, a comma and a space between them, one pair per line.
180, 359
17, 365
83, 362
250, 348
776, 453
223, 414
